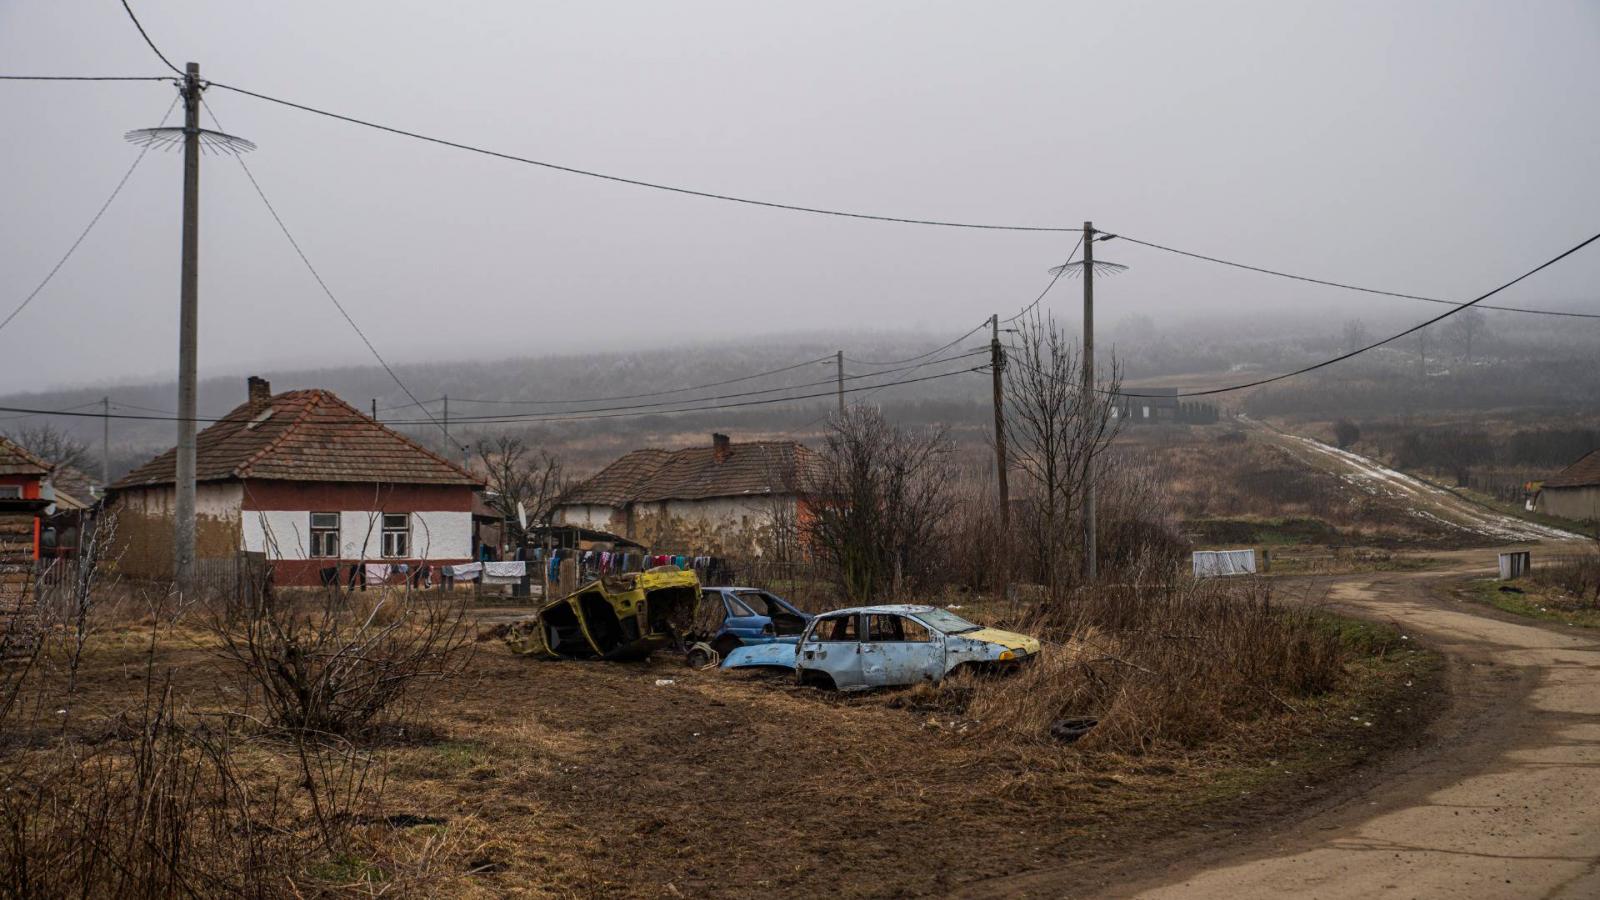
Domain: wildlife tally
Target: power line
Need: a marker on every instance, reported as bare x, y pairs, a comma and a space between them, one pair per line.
682, 390
86, 229
326, 290
32, 415
1054, 277
940, 349
86, 78
1412, 330
571, 170
1351, 287
516, 418
537, 416
144, 34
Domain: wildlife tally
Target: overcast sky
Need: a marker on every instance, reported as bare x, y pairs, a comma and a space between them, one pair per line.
1437, 148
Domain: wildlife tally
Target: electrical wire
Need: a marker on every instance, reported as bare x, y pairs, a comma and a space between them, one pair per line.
86, 78
329, 292
86, 229
682, 390
1054, 277
1350, 287
571, 170
146, 35
516, 418
68, 409
940, 349
661, 403
1412, 330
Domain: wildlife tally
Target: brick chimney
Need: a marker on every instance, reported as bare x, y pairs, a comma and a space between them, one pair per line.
260, 393
721, 447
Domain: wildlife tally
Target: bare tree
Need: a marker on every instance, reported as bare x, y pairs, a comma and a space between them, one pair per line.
52, 445
882, 494
1464, 327
520, 474
1056, 432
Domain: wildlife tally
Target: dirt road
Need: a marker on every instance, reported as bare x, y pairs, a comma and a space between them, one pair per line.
1417, 497
1505, 803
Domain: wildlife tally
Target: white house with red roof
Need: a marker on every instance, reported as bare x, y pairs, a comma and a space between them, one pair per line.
307, 480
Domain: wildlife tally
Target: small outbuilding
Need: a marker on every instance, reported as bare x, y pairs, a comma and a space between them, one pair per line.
1574, 492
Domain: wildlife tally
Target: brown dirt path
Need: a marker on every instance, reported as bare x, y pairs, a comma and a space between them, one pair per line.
1504, 804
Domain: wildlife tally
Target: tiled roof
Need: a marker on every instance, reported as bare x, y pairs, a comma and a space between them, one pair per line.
16, 460
755, 468
1583, 473
310, 435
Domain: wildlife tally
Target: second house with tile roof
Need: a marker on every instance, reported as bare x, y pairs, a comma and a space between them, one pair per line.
727, 498
307, 480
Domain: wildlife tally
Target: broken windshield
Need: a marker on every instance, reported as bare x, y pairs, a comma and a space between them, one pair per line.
946, 621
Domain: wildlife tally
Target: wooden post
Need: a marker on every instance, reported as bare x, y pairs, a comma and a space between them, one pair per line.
183, 548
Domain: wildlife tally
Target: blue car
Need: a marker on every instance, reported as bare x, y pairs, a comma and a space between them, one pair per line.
731, 617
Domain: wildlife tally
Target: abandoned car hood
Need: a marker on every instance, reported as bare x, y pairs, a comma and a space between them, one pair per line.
761, 655
1010, 640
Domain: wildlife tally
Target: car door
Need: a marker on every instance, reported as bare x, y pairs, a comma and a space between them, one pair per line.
897, 650
742, 622
833, 645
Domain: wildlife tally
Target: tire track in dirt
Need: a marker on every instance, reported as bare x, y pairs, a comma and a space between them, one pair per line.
1417, 497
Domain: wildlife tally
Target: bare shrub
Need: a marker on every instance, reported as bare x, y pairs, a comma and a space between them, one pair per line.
335, 664
881, 494
1578, 576
1057, 434
149, 810
1163, 661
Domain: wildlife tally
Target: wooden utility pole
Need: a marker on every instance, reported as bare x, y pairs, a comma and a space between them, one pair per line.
105, 443
839, 360
447, 419
1089, 565
997, 365
374, 409
188, 339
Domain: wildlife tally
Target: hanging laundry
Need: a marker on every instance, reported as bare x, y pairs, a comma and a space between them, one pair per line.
377, 573
465, 571
511, 572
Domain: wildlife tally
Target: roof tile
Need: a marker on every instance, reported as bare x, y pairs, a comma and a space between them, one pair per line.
310, 435
757, 467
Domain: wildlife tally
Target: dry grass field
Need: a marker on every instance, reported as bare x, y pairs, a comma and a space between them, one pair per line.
160, 773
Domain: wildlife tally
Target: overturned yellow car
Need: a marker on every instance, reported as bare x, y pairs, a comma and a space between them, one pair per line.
626, 616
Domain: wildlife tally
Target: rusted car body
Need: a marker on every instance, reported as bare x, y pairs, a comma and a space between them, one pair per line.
626, 616
881, 646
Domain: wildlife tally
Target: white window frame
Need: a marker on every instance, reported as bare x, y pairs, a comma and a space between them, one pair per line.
396, 539
10, 492
321, 533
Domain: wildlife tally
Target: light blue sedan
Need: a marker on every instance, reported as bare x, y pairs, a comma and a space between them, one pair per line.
878, 646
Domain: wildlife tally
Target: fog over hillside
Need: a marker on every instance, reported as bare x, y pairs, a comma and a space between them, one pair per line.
564, 401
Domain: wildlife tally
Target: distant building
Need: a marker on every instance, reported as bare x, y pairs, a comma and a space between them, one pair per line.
310, 482
1155, 405
722, 499
1574, 492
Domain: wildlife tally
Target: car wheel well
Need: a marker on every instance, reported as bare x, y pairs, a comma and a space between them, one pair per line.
819, 679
